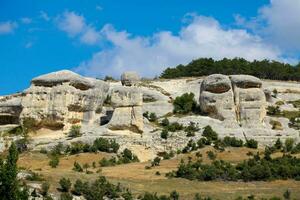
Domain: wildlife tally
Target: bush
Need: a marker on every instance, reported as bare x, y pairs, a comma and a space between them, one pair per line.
77, 167
75, 131
273, 111
211, 155
165, 122
253, 144
65, 184
78, 188
54, 161
173, 127
156, 161
184, 104
152, 117
209, 133
289, 144
164, 134
105, 145
278, 144
232, 142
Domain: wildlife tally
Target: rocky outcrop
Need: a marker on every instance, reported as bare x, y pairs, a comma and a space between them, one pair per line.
216, 98
235, 99
127, 115
57, 99
129, 78
250, 100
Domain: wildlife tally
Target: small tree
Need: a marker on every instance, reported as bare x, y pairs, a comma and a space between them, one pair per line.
278, 144
253, 144
86, 166
75, 131
165, 122
174, 195
287, 195
289, 144
78, 187
65, 184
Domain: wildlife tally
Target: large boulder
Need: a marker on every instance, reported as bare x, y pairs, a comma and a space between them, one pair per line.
235, 99
128, 114
130, 78
250, 100
216, 98
63, 97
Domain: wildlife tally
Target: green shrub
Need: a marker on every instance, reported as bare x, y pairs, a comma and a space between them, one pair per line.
164, 134
273, 111
184, 104
209, 133
173, 127
54, 161
152, 117
211, 155
232, 142
156, 161
75, 131
289, 144
65, 184
77, 167
106, 145
278, 144
34, 177
78, 187
253, 144
165, 122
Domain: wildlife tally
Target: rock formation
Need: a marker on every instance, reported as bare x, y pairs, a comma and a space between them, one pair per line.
127, 115
129, 78
57, 99
233, 99
216, 98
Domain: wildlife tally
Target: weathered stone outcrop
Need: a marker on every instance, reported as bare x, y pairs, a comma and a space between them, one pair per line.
216, 98
56, 99
250, 100
128, 114
235, 99
130, 78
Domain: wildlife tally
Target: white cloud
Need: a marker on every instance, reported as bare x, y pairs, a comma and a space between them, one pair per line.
75, 25
90, 36
71, 23
202, 37
7, 27
44, 16
26, 20
282, 18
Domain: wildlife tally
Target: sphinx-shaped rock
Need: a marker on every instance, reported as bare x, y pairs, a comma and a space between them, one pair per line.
235, 99
63, 97
129, 78
128, 114
250, 100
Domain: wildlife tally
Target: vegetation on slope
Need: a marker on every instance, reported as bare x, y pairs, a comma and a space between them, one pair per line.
263, 69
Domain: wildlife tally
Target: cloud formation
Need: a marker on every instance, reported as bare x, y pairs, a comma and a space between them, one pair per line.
76, 26
201, 37
7, 27
282, 19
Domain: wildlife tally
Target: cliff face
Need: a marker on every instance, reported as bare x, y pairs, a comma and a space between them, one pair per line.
235, 106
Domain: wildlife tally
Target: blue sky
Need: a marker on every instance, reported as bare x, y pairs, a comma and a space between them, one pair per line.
105, 37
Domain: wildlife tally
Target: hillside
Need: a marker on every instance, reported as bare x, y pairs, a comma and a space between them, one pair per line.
62, 115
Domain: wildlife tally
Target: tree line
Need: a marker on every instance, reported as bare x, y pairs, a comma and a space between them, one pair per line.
264, 69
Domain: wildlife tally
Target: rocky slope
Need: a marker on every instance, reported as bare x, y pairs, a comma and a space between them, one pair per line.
235, 106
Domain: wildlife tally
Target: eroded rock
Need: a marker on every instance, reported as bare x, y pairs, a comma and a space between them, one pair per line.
130, 78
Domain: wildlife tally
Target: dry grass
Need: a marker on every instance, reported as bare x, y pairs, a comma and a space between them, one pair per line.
139, 179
